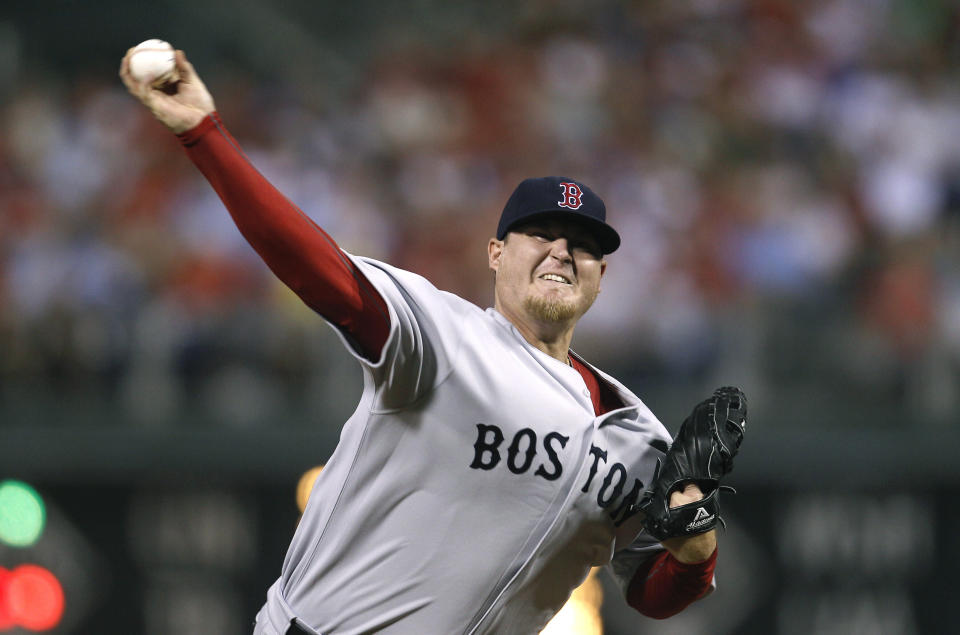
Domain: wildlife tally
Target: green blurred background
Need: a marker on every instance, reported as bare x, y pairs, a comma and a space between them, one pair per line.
786, 178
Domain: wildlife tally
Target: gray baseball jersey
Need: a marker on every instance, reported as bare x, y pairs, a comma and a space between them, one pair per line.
472, 489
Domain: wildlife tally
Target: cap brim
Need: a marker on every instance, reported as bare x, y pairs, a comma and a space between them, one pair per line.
606, 236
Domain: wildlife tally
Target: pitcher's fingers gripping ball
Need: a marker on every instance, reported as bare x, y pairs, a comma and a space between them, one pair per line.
702, 453
180, 103
153, 62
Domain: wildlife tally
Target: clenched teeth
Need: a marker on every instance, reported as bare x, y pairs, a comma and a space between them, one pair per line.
555, 277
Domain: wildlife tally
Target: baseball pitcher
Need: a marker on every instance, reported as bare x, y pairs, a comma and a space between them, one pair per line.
487, 466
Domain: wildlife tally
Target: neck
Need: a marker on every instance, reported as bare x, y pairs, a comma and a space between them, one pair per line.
553, 338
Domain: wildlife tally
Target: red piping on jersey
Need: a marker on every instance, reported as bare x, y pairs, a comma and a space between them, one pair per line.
664, 586
602, 396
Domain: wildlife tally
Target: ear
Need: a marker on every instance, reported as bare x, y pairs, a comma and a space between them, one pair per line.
494, 252
603, 267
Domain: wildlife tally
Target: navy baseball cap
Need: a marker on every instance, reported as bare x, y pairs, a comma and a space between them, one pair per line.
558, 196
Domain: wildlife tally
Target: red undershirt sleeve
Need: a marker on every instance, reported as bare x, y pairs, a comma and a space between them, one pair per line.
666, 586
301, 254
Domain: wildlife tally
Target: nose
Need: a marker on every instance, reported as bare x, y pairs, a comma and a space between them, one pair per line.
560, 249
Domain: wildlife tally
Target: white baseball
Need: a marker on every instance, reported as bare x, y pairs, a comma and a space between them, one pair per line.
153, 61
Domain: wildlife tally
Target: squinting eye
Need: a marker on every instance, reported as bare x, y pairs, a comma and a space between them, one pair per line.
590, 251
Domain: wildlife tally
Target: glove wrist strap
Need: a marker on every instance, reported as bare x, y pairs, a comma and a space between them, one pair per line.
688, 520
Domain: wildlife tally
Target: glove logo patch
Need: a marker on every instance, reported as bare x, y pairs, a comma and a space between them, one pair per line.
703, 517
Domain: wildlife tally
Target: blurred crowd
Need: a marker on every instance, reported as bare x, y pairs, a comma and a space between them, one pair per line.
785, 177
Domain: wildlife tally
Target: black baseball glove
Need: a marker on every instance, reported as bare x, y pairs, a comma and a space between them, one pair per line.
702, 453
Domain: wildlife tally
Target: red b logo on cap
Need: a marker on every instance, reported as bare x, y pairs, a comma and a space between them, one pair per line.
571, 196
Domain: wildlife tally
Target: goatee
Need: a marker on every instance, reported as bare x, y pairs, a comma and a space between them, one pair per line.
549, 310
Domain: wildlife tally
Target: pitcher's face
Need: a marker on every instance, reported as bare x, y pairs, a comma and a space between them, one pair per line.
547, 270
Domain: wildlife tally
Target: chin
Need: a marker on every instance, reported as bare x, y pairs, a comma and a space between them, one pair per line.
550, 309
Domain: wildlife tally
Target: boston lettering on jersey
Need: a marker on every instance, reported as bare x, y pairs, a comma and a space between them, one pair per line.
523, 450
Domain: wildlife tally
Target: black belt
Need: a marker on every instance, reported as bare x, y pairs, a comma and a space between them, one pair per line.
295, 629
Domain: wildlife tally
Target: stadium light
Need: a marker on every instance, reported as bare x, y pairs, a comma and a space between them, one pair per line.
22, 514
31, 597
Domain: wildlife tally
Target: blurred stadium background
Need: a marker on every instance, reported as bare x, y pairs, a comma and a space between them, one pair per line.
786, 176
